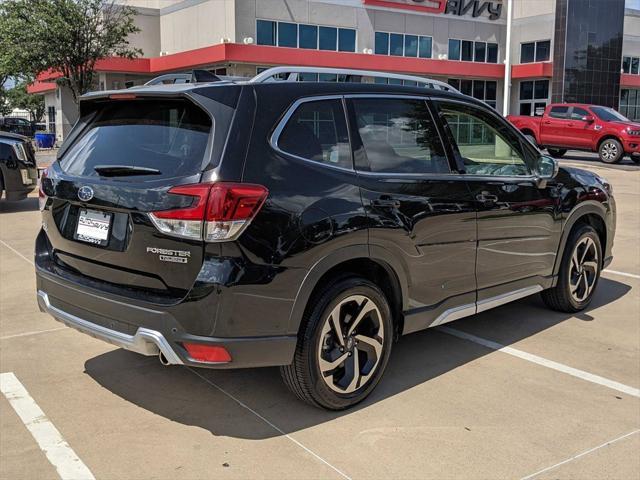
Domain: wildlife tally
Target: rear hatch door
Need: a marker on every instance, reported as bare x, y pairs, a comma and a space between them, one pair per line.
120, 166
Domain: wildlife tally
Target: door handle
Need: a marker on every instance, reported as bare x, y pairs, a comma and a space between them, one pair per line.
486, 198
547, 122
386, 201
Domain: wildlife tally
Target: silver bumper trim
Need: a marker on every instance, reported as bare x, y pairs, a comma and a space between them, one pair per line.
145, 341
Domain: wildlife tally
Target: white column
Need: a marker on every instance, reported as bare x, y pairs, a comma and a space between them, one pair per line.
507, 63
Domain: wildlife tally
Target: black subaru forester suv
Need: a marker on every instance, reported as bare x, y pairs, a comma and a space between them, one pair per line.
306, 224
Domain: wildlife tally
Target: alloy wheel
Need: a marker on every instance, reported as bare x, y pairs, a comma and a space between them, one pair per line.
583, 271
609, 151
351, 341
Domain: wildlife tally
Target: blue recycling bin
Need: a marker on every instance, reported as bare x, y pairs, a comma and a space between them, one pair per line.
45, 140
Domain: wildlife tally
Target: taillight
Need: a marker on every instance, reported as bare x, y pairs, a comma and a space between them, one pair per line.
207, 353
219, 211
42, 197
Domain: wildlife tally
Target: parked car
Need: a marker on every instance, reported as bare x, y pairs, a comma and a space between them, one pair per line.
18, 125
314, 225
578, 126
18, 173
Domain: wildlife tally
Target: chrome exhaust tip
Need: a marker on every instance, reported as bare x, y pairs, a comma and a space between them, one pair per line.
163, 359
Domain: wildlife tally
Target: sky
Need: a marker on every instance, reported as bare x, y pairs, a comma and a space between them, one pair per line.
633, 4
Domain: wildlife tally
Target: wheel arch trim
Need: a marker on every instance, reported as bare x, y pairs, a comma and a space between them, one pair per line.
580, 211
376, 254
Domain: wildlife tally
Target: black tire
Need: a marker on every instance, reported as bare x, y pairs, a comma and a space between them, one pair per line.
304, 376
610, 151
635, 159
560, 297
556, 152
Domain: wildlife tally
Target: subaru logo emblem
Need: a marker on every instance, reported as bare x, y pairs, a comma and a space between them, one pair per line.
85, 193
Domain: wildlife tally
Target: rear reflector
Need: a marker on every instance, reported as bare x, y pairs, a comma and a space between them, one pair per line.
207, 353
218, 212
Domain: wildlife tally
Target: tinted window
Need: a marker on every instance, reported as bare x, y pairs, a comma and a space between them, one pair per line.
382, 43
541, 89
396, 43
467, 51
578, 113
425, 47
327, 38
317, 131
480, 53
454, 49
346, 40
410, 46
527, 52
542, 51
559, 112
308, 36
266, 32
168, 135
635, 65
482, 143
399, 136
492, 53
626, 64
526, 90
287, 34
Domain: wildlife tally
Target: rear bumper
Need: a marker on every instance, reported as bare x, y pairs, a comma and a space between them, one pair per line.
119, 323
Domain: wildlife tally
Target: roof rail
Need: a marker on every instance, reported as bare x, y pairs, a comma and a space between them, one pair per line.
292, 74
170, 78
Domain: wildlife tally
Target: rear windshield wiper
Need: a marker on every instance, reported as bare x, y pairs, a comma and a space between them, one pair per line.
124, 170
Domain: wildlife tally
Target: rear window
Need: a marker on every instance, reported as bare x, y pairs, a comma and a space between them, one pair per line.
559, 112
166, 135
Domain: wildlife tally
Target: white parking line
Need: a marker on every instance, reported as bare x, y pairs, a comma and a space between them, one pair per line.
28, 334
591, 450
589, 377
16, 252
280, 431
57, 450
624, 274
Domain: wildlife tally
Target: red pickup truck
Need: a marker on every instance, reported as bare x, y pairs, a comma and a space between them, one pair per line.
576, 126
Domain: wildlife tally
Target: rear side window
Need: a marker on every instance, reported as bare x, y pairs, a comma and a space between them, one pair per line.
317, 131
559, 112
166, 135
399, 136
579, 113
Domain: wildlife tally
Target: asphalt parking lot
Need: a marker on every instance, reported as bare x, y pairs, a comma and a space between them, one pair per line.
514, 392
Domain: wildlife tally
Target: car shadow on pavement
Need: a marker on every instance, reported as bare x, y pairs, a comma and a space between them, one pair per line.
29, 204
209, 399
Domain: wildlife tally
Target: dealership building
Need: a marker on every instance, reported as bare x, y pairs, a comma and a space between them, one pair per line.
516, 59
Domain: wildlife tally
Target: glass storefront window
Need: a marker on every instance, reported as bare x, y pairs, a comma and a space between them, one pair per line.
346, 40
308, 36
531, 92
492, 53
287, 34
396, 42
425, 47
630, 103
327, 38
399, 44
535, 51
480, 52
410, 46
382, 43
265, 32
467, 51
454, 49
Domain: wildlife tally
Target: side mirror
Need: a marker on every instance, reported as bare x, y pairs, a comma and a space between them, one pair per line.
588, 119
546, 169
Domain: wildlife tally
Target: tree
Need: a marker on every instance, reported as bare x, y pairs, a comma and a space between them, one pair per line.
66, 37
20, 98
